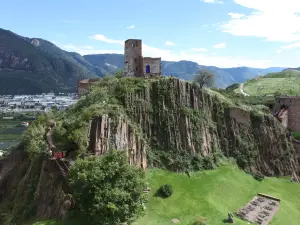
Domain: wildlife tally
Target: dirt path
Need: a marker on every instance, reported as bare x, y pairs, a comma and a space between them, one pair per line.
242, 90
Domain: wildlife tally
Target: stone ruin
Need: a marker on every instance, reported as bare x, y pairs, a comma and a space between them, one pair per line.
260, 210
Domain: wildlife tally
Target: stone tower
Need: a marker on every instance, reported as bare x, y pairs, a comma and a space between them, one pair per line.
133, 62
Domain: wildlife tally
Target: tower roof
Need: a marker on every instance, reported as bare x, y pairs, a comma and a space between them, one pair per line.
133, 40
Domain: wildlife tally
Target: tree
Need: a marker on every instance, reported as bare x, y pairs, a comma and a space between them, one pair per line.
107, 190
204, 78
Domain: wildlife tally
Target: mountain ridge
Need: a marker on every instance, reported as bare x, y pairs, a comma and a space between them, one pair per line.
34, 65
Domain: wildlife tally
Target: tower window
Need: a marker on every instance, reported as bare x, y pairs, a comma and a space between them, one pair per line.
147, 69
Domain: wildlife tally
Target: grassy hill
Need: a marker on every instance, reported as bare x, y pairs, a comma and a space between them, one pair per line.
286, 82
212, 194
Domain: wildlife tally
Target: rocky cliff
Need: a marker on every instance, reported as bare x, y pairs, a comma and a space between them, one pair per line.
174, 118
165, 123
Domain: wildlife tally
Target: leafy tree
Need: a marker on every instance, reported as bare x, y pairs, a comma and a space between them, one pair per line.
107, 190
204, 78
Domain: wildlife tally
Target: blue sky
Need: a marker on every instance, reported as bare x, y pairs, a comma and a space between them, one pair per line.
223, 33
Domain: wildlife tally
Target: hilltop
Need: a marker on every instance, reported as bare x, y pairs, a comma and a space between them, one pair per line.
286, 82
34, 65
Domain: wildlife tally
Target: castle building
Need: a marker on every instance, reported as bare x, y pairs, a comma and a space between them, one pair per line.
135, 65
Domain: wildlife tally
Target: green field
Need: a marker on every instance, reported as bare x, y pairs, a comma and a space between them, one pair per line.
287, 82
10, 132
212, 194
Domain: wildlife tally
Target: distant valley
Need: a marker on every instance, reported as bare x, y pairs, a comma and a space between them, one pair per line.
34, 65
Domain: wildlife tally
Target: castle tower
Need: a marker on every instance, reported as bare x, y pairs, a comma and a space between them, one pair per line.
133, 62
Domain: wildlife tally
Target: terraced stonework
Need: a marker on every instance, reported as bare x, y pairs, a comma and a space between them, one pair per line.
260, 210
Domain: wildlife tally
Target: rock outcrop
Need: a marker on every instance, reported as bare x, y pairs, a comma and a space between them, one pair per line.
31, 188
175, 116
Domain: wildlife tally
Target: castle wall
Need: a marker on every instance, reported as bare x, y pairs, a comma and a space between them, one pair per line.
84, 85
133, 59
239, 115
293, 117
154, 65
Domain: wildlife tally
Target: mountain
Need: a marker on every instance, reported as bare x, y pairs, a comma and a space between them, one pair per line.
185, 69
34, 65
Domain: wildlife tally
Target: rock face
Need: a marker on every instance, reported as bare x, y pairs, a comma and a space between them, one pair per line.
106, 134
174, 116
31, 188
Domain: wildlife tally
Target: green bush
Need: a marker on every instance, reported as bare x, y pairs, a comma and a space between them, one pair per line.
165, 191
107, 190
258, 176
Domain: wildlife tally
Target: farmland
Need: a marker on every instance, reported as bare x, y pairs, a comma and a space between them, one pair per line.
10, 132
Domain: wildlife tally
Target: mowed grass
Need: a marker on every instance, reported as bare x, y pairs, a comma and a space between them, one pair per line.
212, 194
287, 82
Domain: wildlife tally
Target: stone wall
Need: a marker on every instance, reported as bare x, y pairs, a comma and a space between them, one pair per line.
154, 65
239, 115
133, 59
84, 85
293, 104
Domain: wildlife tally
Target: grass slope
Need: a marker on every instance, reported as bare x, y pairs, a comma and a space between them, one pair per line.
286, 82
212, 194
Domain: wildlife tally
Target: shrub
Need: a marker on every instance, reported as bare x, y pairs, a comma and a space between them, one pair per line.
107, 190
258, 176
165, 191
200, 221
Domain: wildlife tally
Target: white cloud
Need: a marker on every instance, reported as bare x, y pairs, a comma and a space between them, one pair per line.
273, 20
290, 46
220, 45
198, 49
213, 1
169, 43
131, 27
236, 15
101, 37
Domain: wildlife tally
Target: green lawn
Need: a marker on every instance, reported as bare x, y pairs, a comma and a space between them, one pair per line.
212, 194
286, 82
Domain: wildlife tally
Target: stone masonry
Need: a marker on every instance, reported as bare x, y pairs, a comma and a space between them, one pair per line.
83, 85
137, 66
133, 59
152, 67
293, 104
